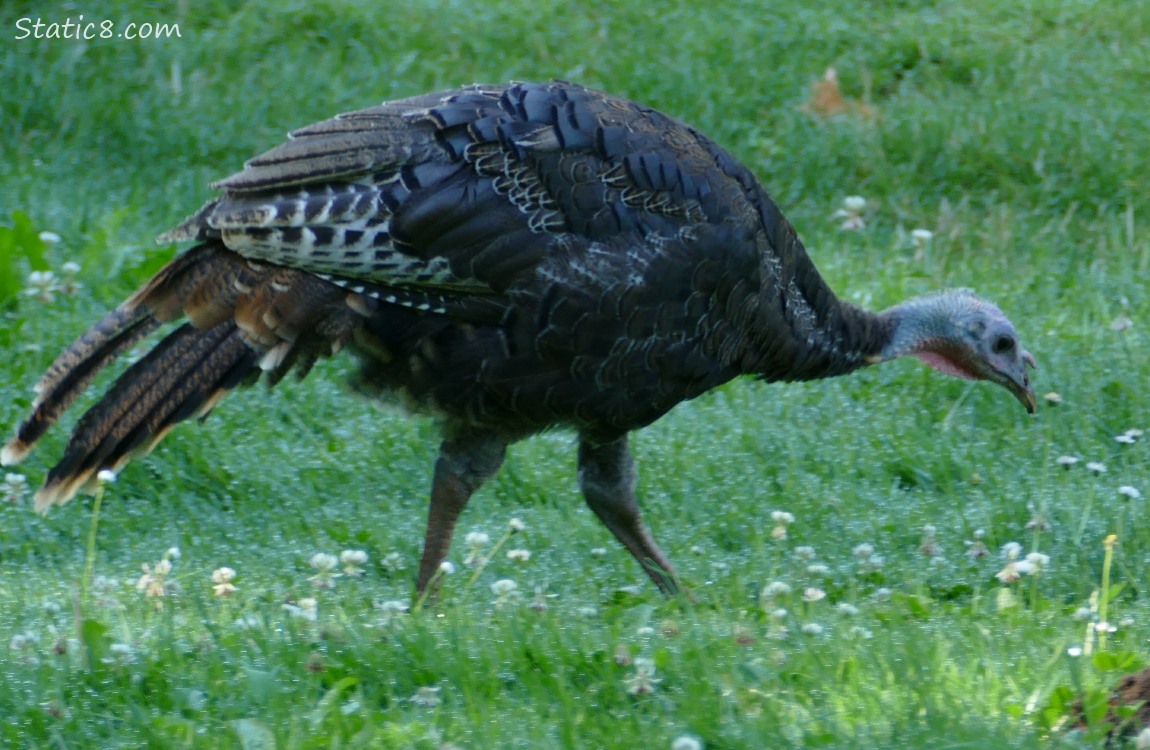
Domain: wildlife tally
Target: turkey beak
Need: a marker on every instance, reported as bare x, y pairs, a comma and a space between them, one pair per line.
1019, 382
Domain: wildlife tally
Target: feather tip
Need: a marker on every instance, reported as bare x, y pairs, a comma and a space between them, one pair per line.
15, 452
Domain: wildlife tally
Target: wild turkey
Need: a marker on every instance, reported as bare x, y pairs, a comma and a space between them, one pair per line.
507, 259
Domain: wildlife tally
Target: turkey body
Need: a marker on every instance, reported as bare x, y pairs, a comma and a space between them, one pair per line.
536, 254
506, 259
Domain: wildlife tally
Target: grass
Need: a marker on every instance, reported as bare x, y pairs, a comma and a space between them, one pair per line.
1015, 132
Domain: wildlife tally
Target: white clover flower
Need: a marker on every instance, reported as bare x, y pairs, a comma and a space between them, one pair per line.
812, 594
390, 612
1038, 561
503, 586
587, 612
353, 557
1074, 651
1053, 398
805, 552
818, 569
476, 539
1067, 461
324, 565
539, 601
223, 575
976, 549
598, 551
516, 525
154, 582
777, 630
1014, 568
352, 560
15, 488
921, 237
860, 633
846, 608
304, 609
222, 578
697, 549
106, 476
1134, 432
49, 238
119, 654
1026, 567
1096, 467
929, 545
782, 520
427, 697
622, 655
1131, 492
1038, 520
70, 285
1125, 439
643, 681
1083, 614
882, 594
812, 628
775, 589
43, 286
851, 213
863, 551
446, 567
519, 555
686, 742
646, 631
393, 562
1142, 741
323, 562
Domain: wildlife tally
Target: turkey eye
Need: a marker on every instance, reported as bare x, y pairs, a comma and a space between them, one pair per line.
1003, 344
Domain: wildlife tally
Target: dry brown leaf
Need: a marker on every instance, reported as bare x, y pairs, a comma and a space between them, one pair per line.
827, 100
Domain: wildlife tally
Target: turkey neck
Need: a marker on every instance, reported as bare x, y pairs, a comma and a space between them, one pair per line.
799, 329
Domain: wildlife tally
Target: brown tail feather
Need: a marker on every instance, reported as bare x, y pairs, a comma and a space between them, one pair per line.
182, 376
245, 317
74, 370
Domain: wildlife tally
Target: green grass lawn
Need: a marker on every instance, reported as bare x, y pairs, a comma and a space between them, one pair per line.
1015, 132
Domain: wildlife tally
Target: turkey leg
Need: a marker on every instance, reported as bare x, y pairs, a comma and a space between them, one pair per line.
465, 462
607, 477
